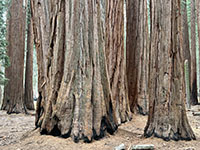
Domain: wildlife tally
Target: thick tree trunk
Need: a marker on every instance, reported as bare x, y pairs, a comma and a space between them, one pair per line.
78, 101
116, 59
28, 95
13, 93
137, 55
193, 55
167, 115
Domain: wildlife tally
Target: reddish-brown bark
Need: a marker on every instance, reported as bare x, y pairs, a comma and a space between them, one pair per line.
13, 92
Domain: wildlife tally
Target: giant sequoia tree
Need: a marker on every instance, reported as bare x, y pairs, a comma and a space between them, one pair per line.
28, 92
13, 93
132, 61
185, 43
137, 59
74, 92
116, 59
197, 4
193, 54
167, 116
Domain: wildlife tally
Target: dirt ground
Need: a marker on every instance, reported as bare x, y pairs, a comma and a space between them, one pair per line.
17, 133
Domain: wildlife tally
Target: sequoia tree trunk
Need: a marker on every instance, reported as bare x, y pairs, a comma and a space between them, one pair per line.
137, 55
193, 55
142, 99
40, 12
198, 25
186, 46
167, 115
13, 92
116, 59
78, 100
132, 52
28, 95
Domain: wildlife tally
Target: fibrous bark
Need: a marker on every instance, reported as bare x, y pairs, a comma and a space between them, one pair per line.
28, 93
132, 52
76, 100
167, 115
186, 46
13, 92
137, 55
193, 55
116, 59
197, 14
40, 13
142, 100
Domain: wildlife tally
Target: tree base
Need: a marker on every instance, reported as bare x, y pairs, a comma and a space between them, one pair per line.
181, 134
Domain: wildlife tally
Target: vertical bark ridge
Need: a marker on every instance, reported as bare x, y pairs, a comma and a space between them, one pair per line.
40, 11
28, 95
137, 55
132, 61
116, 59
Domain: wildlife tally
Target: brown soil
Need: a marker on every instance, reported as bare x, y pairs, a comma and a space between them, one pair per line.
17, 133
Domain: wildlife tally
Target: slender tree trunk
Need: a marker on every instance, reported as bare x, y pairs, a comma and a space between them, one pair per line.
116, 59
142, 100
197, 51
28, 95
167, 115
137, 55
78, 102
193, 55
13, 93
186, 46
132, 52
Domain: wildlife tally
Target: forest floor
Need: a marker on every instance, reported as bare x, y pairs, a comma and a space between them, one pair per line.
17, 133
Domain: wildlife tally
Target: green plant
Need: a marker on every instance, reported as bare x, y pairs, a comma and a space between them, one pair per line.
4, 59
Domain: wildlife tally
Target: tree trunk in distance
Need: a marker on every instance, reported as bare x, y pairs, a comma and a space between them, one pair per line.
167, 115
28, 95
197, 50
137, 55
142, 99
77, 99
194, 93
116, 60
13, 92
186, 46
132, 52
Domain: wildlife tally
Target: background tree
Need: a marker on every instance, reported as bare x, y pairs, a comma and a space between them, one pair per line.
185, 36
78, 100
197, 52
167, 116
137, 55
193, 54
116, 59
143, 46
13, 93
132, 52
4, 60
28, 95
